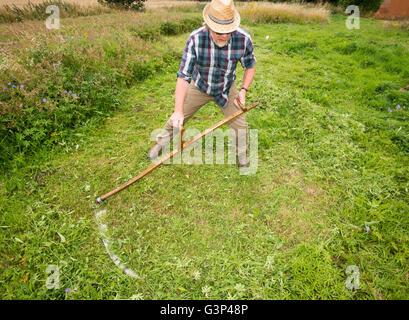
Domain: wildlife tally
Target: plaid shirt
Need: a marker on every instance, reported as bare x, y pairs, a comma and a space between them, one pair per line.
212, 68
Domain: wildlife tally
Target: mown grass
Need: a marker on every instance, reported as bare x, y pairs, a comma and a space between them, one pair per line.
332, 160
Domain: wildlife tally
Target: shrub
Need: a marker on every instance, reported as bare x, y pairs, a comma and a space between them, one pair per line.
137, 5
364, 5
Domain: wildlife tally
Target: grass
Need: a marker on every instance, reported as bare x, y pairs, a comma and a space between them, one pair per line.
283, 12
90, 65
17, 12
332, 160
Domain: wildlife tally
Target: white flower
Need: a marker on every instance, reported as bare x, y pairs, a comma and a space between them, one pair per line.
206, 291
267, 37
196, 275
269, 262
138, 296
231, 297
240, 289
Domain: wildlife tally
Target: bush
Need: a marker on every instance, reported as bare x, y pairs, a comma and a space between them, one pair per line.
137, 5
364, 5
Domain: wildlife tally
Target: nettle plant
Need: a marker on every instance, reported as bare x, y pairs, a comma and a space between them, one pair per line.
137, 5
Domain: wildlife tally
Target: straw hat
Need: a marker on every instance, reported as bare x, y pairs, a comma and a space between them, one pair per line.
221, 16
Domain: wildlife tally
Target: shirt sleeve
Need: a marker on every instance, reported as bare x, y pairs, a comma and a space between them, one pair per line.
188, 61
248, 60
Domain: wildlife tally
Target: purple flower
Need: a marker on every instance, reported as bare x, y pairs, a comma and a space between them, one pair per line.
65, 91
9, 83
44, 100
13, 77
5, 88
69, 91
367, 229
21, 85
339, 81
68, 289
74, 95
330, 114
389, 109
398, 107
14, 86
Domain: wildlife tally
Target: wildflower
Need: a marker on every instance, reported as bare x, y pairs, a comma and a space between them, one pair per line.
14, 86
339, 81
239, 287
44, 100
69, 92
398, 107
270, 262
330, 114
267, 37
206, 290
68, 289
74, 95
5, 88
21, 85
13, 77
138, 296
367, 229
9, 83
65, 91
196, 275
389, 109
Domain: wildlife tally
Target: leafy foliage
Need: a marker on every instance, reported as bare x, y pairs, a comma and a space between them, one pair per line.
137, 5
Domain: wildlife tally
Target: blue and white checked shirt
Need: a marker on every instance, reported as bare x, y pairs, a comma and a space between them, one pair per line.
212, 68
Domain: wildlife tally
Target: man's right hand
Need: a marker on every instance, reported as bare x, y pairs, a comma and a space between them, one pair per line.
177, 119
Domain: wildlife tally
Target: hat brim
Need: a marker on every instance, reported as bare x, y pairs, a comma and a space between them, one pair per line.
221, 28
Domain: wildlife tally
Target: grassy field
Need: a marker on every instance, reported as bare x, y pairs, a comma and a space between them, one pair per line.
331, 189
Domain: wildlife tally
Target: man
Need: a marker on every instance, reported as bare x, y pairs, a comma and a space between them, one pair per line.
209, 59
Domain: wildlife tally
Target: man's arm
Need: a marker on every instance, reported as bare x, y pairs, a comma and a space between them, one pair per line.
247, 80
248, 77
180, 93
184, 77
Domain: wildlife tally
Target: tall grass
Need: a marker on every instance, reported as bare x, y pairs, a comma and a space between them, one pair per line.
65, 78
283, 12
403, 24
37, 11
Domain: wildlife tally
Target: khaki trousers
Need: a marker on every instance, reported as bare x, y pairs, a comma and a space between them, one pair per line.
194, 100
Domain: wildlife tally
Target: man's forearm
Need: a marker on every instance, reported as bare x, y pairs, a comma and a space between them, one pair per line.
180, 94
248, 77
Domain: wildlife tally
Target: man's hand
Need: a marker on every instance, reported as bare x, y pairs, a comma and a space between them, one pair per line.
177, 119
241, 98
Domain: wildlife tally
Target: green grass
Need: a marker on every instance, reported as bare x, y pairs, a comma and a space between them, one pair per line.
332, 160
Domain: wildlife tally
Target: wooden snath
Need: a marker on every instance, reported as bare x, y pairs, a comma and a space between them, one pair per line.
182, 146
